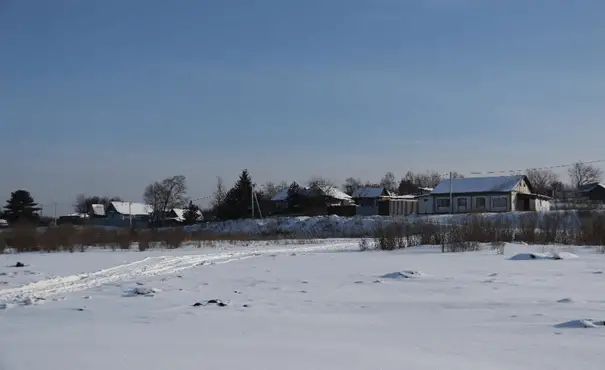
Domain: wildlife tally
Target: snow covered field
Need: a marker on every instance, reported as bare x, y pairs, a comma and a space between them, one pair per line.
322, 306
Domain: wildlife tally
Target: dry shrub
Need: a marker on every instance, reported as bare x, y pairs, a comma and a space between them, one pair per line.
2, 243
592, 230
173, 238
144, 237
390, 237
23, 238
462, 238
528, 228
58, 238
124, 239
364, 245
498, 247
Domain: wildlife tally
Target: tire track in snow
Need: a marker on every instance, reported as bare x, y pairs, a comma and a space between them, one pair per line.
150, 266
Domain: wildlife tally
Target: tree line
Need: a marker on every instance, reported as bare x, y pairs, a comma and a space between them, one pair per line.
236, 202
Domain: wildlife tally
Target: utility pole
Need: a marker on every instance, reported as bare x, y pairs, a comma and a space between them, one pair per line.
252, 199
130, 214
451, 194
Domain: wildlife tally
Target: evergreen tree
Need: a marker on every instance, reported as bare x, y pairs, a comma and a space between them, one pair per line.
295, 197
192, 213
238, 200
21, 208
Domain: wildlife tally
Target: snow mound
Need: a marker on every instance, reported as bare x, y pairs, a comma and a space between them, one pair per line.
581, 324
402, 275
141, 291
543, 256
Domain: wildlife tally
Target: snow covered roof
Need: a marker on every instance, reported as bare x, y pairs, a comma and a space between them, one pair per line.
369, 192
135, 208
496, 184
333, 192
326, 190
180, 214
98, 209
281, 196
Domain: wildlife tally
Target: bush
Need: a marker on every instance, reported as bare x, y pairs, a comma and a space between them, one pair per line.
23, 238
498, 247
124, 239
144, 238
364, 245
58, 238
173, 238
390, 237
2, 243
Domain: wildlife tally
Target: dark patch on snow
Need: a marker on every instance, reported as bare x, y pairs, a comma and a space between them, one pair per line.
598, 272
402, 275
494, 274
216, 302
18, 264
358, 282
246, 306
304, 291
141, 291
543, 256
565, 300
237, 292
582, 323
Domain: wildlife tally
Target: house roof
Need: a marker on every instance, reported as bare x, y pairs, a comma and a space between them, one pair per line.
326, 190
333, 192
369, 192
281, 196
589, 187
134, 208
496, 184
98, 209
180, 214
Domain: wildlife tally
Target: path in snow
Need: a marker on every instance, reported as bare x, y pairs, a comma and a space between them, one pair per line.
150, 266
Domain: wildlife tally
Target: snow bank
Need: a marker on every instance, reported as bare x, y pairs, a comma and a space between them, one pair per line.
543, 256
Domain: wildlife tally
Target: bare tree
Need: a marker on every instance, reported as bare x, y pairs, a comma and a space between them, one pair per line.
351, 184
270, 189
543, 181
319, 181
218, 197
165, 195
388, 181
84, 203
582, 174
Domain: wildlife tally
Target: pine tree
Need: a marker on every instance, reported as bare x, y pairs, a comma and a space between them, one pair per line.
21, 208
192, 214
294, 197
238, 201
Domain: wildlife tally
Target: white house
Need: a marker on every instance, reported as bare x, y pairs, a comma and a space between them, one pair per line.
483, 194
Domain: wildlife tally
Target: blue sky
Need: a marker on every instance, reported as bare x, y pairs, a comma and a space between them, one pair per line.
103, 97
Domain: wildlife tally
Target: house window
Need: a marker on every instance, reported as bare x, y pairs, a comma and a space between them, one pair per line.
443, 203
499, 202
461, 202
480, 203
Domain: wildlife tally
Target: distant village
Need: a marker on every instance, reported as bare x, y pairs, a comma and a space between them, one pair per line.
534, 191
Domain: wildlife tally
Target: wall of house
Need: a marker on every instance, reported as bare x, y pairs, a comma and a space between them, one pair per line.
425, 205
540, 205
398, 207
367, 206
523, 187
468, 203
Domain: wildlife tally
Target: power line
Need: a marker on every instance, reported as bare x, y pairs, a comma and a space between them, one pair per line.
535, 168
